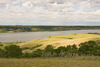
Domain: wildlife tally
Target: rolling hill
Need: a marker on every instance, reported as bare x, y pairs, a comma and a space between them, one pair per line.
56, 41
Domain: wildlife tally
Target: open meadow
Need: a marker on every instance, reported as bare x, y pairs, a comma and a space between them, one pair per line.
38, 60
57, 41
52, 62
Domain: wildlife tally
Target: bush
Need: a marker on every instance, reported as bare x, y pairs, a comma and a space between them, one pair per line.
2, 53
1, 44
88, 48
13, 51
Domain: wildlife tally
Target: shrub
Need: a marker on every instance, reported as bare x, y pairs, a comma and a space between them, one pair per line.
2, 53
13, 51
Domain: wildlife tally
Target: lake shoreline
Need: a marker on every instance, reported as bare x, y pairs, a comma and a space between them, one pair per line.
49, 31
28, 36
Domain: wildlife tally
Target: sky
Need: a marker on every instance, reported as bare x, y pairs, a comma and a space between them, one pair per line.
50, 12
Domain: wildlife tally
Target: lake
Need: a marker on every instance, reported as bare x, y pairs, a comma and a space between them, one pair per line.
28, 36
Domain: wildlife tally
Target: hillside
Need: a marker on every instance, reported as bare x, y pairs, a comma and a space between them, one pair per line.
61, 40
23, 28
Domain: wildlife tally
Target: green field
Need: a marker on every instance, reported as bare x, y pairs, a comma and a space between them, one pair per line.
61, 40
52, 62
56, 41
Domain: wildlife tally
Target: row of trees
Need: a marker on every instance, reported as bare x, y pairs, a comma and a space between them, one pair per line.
87, 48
19, 28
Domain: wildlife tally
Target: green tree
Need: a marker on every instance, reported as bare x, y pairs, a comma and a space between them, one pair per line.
97, 53
37, 53
60, 49
88, 48
26, 55
1, 44
13, 51
48, 51
49, 48
2, 53
74, 49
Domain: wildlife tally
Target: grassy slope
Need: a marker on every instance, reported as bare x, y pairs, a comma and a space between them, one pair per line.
62, 40
52, 62
56, 41
7, 44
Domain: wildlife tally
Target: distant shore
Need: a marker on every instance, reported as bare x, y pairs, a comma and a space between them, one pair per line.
22, 28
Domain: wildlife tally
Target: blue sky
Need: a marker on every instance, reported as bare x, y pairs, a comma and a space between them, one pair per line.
49, 12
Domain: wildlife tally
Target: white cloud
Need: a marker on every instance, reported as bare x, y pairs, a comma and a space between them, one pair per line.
27, 4
49, 11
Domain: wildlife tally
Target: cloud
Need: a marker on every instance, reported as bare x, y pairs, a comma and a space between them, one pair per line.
27, 4
2, 5
49, 12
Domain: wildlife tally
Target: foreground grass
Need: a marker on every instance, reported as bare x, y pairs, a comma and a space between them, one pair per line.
52, 62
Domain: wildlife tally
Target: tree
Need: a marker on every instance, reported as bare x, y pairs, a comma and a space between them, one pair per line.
1, 44
13, 51
48, 51
37, 53
74, 49
60, 49
97, 52
26, 55
49, 48
2, 53
88, 48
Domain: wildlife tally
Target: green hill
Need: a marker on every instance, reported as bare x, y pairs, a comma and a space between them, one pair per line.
23, 28
56, 41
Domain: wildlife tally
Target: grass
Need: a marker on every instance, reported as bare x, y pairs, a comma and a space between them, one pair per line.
56, 41
61, 40
51, 62
97, 40
7, 44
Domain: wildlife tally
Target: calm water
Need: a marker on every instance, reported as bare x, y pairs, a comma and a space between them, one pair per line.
27, 36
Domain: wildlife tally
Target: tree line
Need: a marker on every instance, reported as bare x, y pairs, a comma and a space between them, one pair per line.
19, 28
90, 48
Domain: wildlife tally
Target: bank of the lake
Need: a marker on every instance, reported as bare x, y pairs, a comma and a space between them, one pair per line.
33, 28
28, 36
